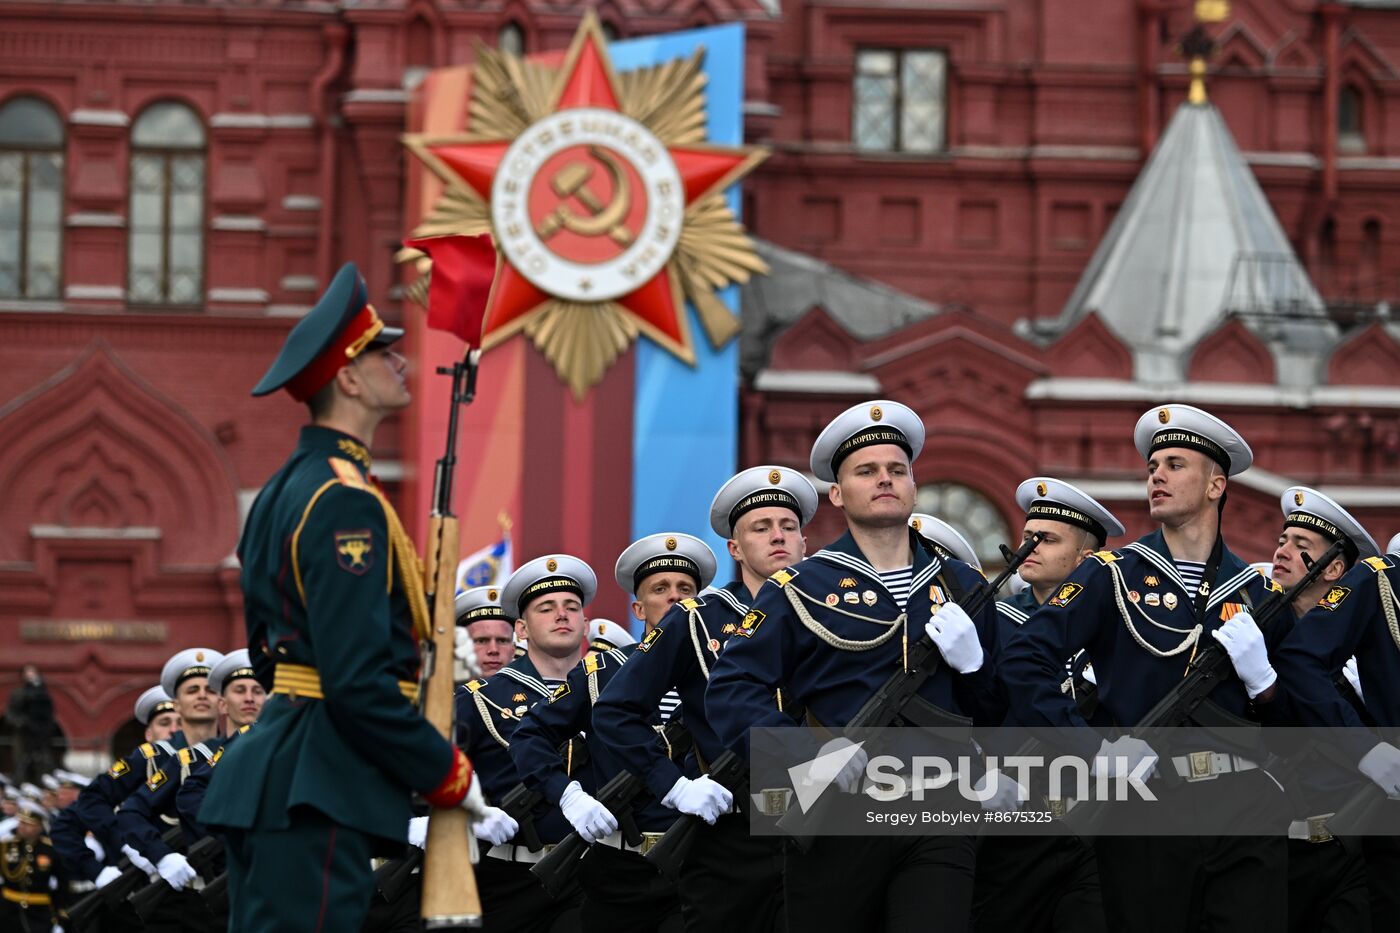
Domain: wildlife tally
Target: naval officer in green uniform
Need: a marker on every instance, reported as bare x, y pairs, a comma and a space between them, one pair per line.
334, 607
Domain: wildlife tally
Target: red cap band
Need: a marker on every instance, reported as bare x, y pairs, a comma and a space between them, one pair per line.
353, 339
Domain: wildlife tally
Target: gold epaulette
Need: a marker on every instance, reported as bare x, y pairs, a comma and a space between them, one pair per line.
186, 756
692, 603
148, 751
784, 577
593, 663
244, 728
347, 473
475, 685
1106, 557
1377, 563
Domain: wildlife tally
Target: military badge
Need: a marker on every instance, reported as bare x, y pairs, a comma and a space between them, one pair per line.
1134, 596
521, 710
774, 477
936, 595
1041, 490
1298, 497
868, 597
848, 583
43, 861
832, 599
1152, 599
1066, 594
119, 767
1334, 597
562, 690
851, 598
1163, 415
1169, 600
1229, 610
714, 645
728, 628
518, 698
649, 640
354, 551
750, 623
157, 779
1151, 580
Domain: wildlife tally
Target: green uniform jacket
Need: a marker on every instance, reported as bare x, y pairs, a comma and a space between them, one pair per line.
323, 586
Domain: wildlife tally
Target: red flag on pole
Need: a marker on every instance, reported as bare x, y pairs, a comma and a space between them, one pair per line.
463, 270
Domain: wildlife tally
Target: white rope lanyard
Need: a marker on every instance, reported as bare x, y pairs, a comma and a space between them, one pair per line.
795, 597
1193, 635
482, 705
697, 625
1389, 602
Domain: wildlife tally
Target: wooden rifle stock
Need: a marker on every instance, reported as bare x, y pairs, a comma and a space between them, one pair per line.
450, 896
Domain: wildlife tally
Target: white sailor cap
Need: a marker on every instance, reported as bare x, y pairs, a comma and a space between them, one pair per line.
1394, 546
665, 552
1057, 501
32, 811
11, 792
605, 634
31, 791
946, 539
553, 573
192, 662
865, 425
236, 665
49, 781
479, 604
72, 778
1185, 426
152, 703
1305, 507
760, 487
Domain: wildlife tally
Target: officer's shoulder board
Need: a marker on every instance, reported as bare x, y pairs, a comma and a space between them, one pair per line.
560, 692
186, 756
157, 779
347, 473
148, 751
593, 663
694, 602
1379, 563
475, 685
119, 767
217, 755
1106, 557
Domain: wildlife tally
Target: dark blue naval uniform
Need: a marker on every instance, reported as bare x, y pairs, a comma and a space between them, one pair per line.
1112, 603
831, 662
95, 808
773, 648
139, 820
1088, 613
621, 891
732, 880
189, 796
488, 712
1350, 620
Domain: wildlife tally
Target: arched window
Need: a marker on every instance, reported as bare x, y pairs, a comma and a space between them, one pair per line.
1351, 132
31, 199
971, 513
511, 39
165, 252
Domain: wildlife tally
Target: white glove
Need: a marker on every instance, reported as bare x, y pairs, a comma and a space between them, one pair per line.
418, 831
1382, 765
474, 803
107, 875
1353, 676
496, 826
1009, 794
589, 818
1133, 752
1244, 642
464, 650
176, 870
139, 860
95, 847
57, 928
825, 768
956, 637
702, 797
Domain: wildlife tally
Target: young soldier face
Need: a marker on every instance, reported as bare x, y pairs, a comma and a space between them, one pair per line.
659, 592
554, 624
378, 379
767, 540
493, 642
66, 795
1293, 543
162, 726
194, 701
875, 487
9, 807
1058, 553
29, 830
242, 701
1181, 483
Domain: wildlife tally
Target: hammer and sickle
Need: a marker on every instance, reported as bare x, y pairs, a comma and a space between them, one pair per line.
355, 550
571, 181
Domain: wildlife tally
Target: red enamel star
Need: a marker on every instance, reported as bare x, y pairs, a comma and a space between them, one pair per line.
586, 80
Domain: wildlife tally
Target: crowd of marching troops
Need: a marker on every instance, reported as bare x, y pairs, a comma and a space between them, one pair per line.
573, 737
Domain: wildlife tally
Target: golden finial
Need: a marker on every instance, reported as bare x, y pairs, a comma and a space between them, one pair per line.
1197, 45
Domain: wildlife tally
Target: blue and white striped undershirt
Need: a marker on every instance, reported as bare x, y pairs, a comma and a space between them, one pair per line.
897, 582
1191, 573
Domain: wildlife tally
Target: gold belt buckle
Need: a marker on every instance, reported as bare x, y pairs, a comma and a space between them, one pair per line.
1317, 829
1202, 766
775, 801
649, 841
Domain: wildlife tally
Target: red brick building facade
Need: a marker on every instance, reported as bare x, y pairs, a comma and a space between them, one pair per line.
178, 181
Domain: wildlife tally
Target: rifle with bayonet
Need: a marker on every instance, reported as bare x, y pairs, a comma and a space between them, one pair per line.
1208, 670
619, 795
